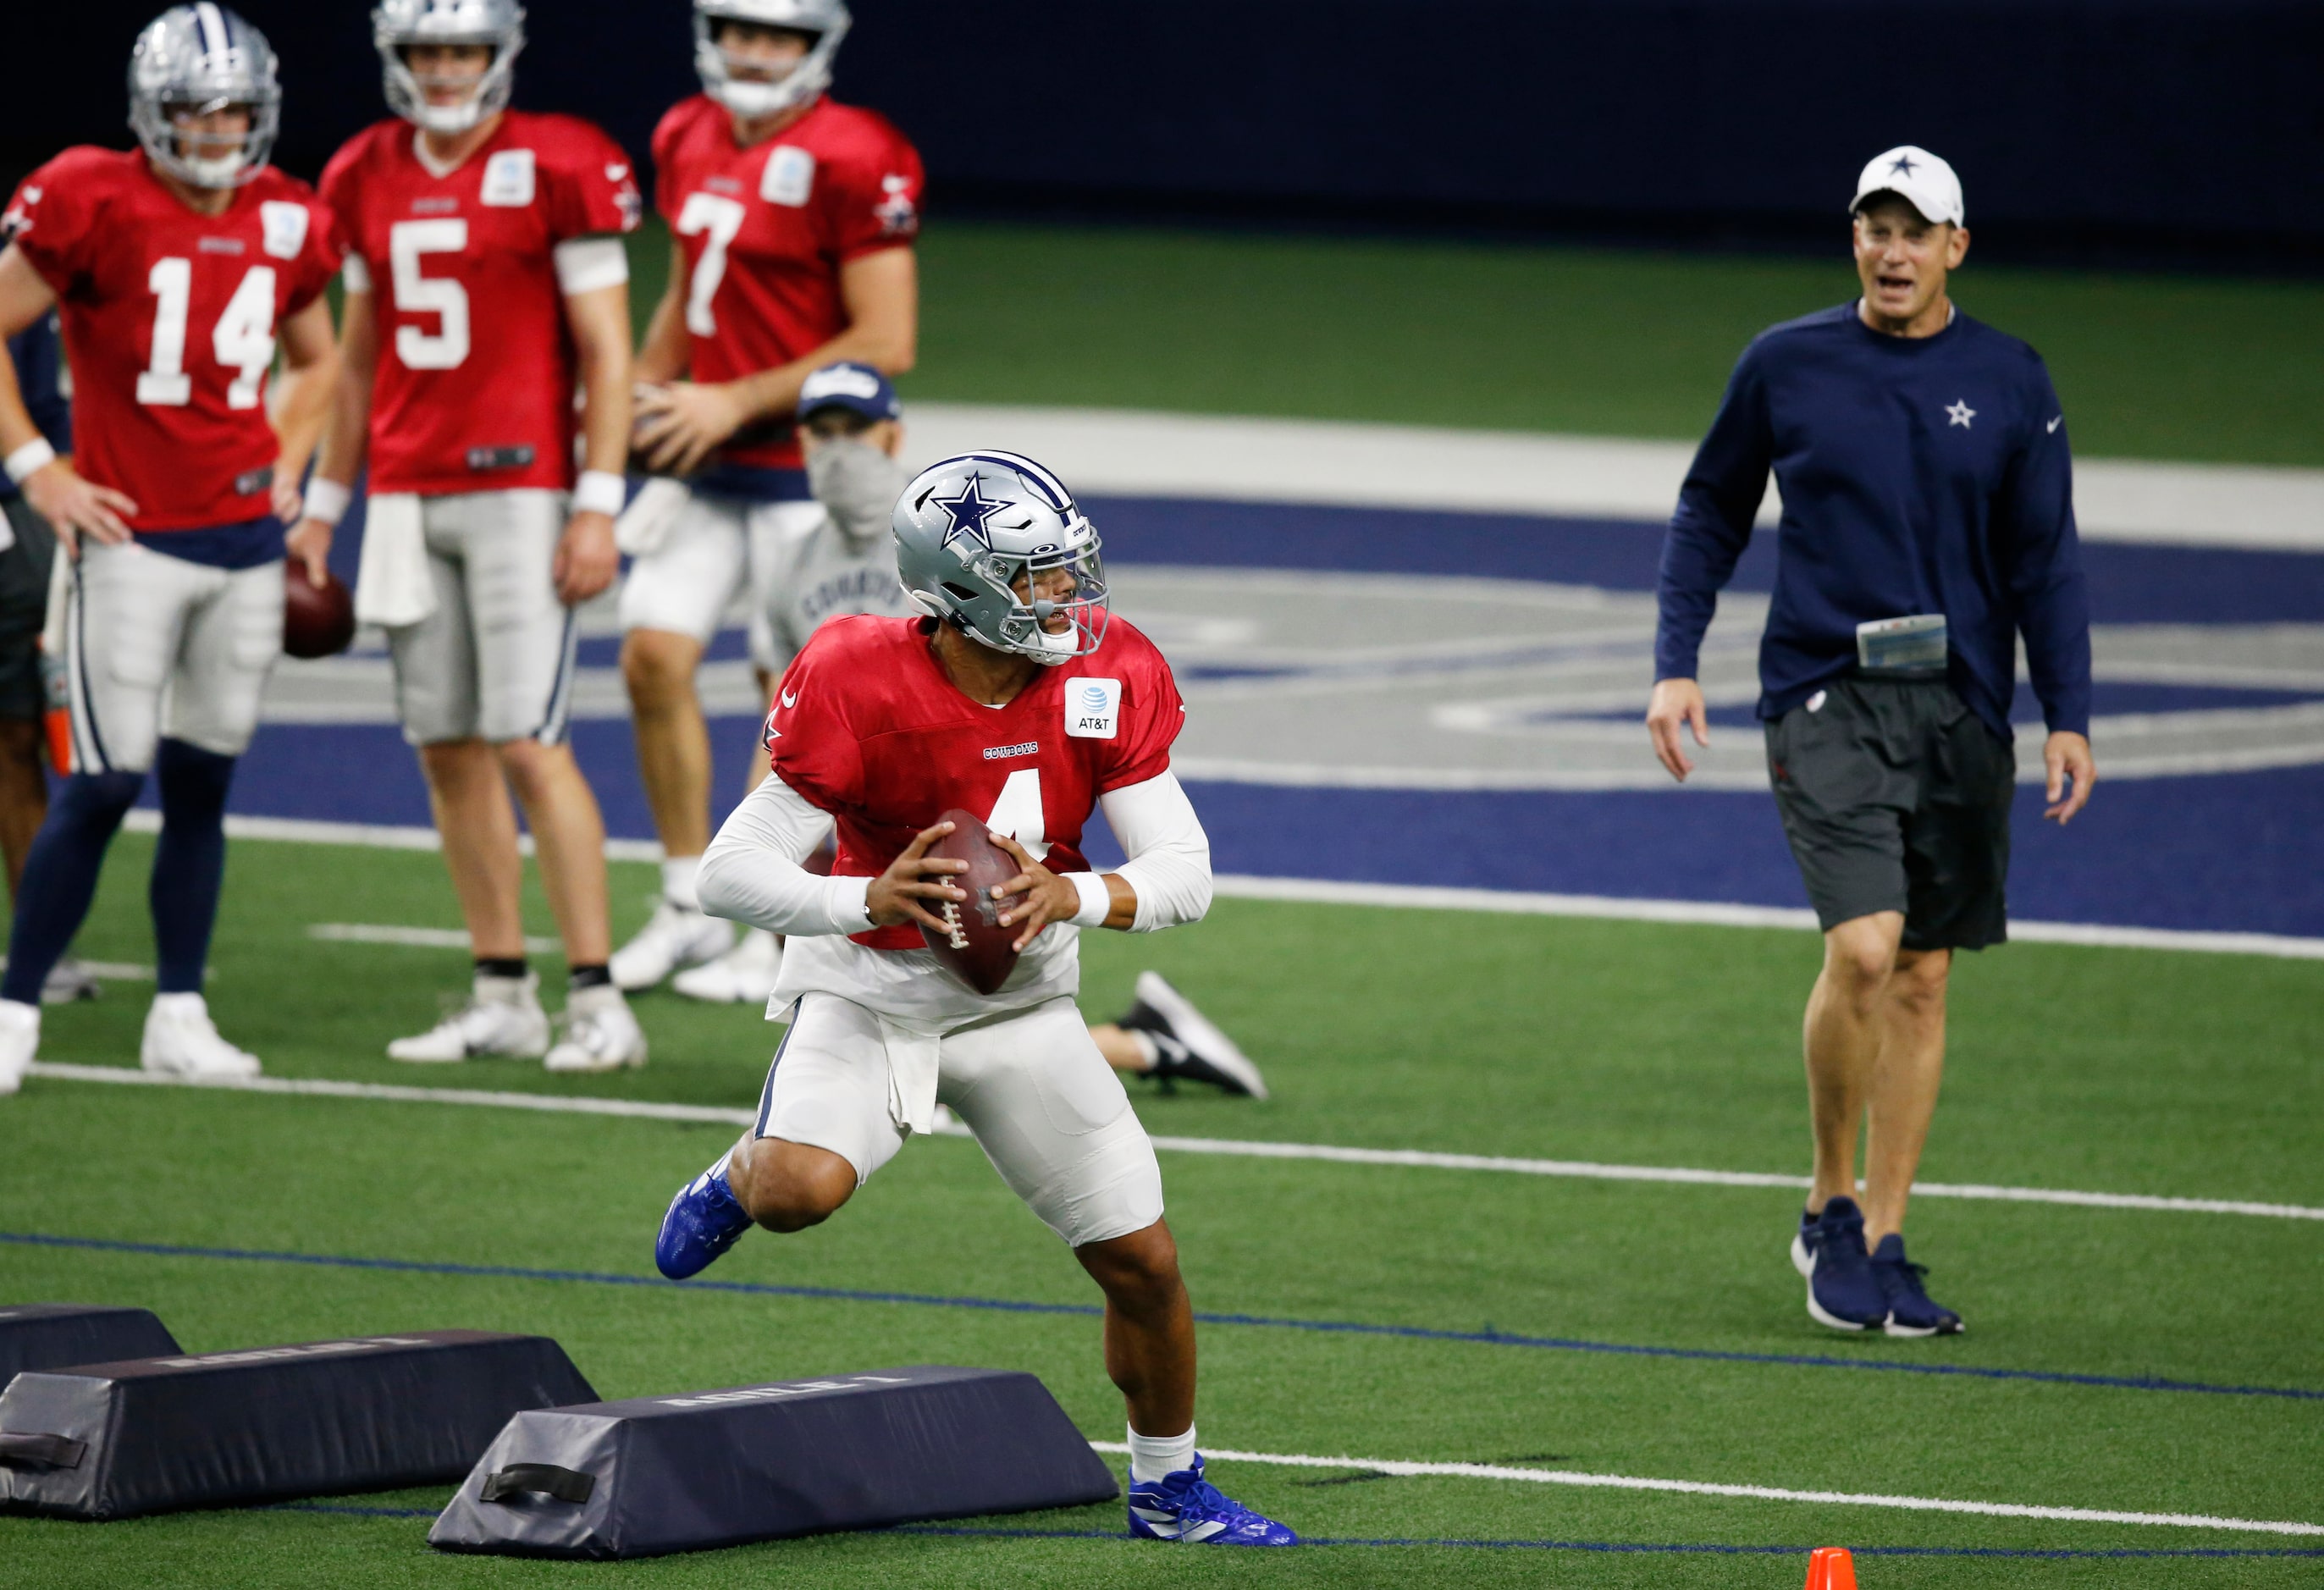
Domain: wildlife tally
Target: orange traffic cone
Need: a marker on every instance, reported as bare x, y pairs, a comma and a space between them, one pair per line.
1829, 1568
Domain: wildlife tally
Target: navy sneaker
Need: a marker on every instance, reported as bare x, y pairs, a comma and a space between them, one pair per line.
1185, 1507
1912, 1312
1842, 1291
703, 1221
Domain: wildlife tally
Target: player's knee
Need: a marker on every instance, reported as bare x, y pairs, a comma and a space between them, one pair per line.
1920, 981
1139, 1274
1859, 956
785, 1189
658, 667
533, 768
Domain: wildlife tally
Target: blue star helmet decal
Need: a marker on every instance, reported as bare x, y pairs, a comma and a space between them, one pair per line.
1901, 166
970, 512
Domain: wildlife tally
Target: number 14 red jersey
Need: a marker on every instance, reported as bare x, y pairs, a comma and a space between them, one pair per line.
868, 728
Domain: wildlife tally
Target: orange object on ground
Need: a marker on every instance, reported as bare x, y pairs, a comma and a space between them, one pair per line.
1831, 1568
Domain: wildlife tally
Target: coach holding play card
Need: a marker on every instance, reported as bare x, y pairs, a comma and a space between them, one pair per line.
1928, 521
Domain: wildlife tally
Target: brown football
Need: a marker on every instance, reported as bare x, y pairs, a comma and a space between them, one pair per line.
978, 949
317, 620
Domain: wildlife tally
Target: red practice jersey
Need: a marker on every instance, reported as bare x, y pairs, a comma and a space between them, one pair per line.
765, 230
474, 389
867, 728
170, 319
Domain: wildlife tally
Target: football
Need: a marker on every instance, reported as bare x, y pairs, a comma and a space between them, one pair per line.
978, 949
317, 620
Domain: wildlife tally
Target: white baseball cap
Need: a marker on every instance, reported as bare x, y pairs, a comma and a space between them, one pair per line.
1919, 178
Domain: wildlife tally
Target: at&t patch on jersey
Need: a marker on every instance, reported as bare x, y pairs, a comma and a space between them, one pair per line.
1093, 708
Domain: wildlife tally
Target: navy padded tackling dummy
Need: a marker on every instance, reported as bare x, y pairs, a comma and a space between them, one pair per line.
656, 1474
219, 1429
42, 1335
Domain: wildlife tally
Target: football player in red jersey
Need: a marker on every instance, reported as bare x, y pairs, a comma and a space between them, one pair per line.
484, 272
1019, 697
178, 270
793, 218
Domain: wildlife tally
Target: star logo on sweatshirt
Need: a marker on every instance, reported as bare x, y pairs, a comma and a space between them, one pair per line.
1959, 414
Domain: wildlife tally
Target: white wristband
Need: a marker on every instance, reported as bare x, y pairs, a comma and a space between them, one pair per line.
327, 499
1097, 900
600, 490
29, 459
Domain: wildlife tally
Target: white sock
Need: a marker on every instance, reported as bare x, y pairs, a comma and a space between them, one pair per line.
1146, 1046
1152, 1457
181, 1004
677, 882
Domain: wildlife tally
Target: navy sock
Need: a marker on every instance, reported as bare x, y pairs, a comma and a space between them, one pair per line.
494, 966
191, 864
579, 978
60, 875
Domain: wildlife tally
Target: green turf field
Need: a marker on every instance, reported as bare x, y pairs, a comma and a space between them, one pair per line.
1539, 338
2114, 1070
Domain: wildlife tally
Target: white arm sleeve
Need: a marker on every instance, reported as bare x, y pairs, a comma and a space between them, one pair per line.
752, 873
1169, 854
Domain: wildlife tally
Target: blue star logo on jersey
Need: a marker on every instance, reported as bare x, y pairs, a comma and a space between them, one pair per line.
1902, 166
970, 510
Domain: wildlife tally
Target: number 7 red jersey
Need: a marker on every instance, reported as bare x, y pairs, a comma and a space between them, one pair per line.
869, 728
170, 319
475, 374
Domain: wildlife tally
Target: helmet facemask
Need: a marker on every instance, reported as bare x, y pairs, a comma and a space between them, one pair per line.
1024, 629
399, 27
196, 60
738, 83
211, 160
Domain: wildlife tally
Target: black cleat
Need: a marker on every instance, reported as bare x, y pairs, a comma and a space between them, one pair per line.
1190, 1047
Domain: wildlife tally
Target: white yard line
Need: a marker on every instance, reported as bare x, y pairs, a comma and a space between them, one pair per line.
113, 971
409, 938
1553, 1476
1232, 1148
1126, 452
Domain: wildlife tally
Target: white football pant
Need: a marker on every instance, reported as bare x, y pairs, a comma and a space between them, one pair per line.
718, 548
494, 660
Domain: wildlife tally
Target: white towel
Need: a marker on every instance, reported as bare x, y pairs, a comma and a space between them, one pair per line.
392, 588
645, 524
911, 1075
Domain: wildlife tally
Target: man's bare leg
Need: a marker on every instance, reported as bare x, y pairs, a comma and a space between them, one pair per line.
23, 793
787, 1185
1905, 1082
1121, 1051
1846, 1022
568, 836
672, 739
1150, 1327
470, 801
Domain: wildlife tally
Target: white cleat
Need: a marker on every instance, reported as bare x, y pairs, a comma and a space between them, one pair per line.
503, 1017
68, 981
744, 975
20, 1040
180, 1040
674, 937
601, 1034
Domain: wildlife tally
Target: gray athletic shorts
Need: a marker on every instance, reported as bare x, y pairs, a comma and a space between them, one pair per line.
1895, 797
23, 606
494, 660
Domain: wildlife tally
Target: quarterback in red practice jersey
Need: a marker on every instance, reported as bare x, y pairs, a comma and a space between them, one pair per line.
176, 269
1019, 696
792, 218
486, 277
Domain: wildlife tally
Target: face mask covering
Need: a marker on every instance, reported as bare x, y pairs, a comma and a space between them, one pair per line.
857, 484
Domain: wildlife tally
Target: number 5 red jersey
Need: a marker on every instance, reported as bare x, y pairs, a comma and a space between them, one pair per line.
475, 374
869, 728
170, 319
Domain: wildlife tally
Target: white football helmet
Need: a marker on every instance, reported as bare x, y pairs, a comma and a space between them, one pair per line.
201, 59
753, 100
968, 528
396, 24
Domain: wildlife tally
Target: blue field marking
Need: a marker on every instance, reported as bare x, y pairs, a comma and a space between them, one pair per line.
1487, 1338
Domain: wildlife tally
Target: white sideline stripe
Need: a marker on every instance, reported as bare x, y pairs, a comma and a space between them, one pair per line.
1233, 1148
1325, 892
1556, 1476
1129, 452
410, 938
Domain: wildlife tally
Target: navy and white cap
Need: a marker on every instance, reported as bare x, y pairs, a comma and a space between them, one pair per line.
858, 388
1918, 177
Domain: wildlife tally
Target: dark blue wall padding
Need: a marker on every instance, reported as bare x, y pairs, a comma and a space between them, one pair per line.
368, 1413
43, 1335
2200, 117
657, 1475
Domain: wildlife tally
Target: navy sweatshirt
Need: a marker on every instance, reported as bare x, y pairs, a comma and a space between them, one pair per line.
40, 371
1919, 475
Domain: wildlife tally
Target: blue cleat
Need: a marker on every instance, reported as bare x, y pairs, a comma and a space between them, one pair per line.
1912, 1312
1843, 1293
703, 1221
1185, 1507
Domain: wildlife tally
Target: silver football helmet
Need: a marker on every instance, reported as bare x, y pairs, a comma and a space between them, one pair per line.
968, 529
746, 97
201, 59
398, 25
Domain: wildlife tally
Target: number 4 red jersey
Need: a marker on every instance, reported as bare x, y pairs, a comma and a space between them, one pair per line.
765, 229
474, 384
169, 320
868, 728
